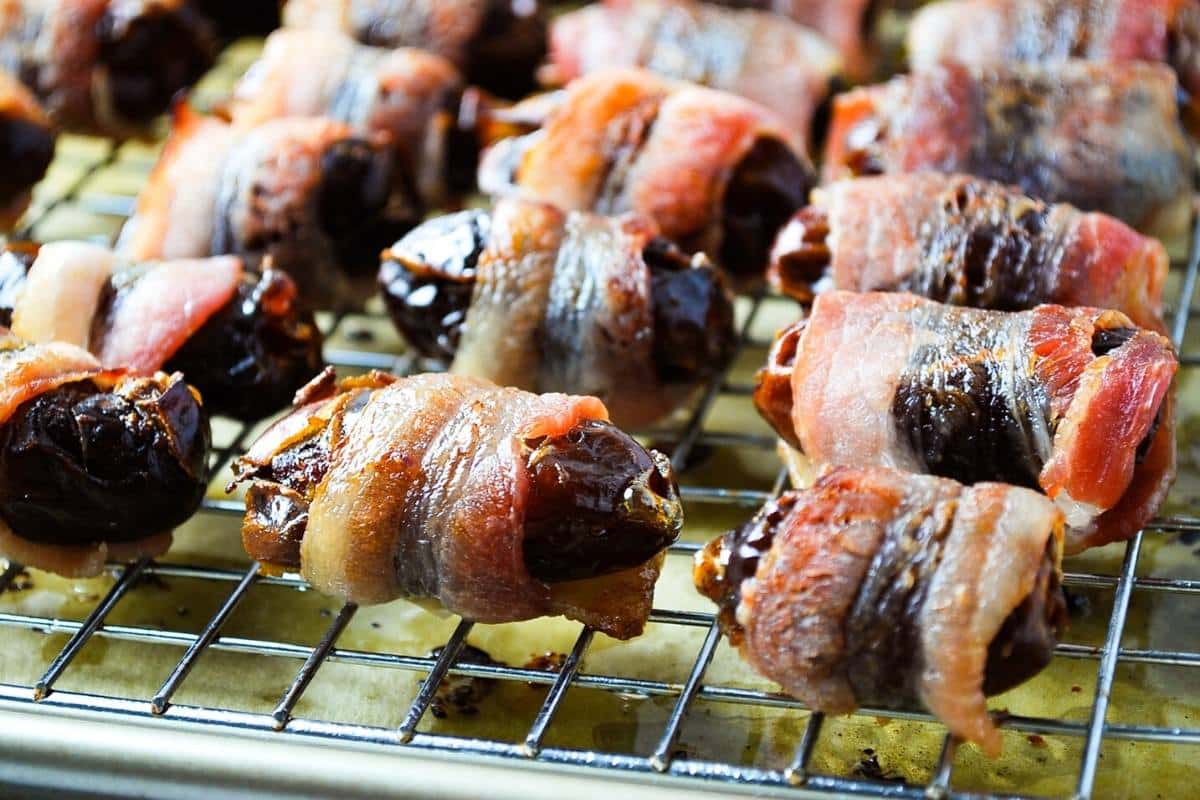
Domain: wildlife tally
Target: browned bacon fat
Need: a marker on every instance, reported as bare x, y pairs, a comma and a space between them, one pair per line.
238, 335
716, 172
1102, 137
317, 199
764, 57
409, 97
967, 241
497, 43
1074, 401
105, 66
528, 296
94, 465
26, 148
999, 31
501, 504
881, 588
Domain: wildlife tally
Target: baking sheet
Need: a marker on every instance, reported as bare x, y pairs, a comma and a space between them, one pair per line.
1158, 695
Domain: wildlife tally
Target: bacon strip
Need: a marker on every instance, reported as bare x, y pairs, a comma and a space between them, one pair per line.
770, 60
879, 587
1072, 401
627, 140
424, 496
967, 241
1102, 137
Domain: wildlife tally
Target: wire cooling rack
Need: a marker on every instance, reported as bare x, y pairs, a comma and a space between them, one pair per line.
75, 197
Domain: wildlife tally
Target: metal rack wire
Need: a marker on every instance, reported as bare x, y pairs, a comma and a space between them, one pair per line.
663, 757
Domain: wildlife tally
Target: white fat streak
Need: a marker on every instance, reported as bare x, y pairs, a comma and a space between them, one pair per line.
62, 293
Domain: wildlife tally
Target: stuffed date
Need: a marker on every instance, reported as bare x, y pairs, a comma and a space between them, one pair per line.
1102, 137
716, 172
1074, 401
309, 194
761, 56
94, 465
887, 589
106, 67
967, 241
500, 504
496, 43
238, 335
528, 296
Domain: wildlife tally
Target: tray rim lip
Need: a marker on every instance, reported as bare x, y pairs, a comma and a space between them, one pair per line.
136, 755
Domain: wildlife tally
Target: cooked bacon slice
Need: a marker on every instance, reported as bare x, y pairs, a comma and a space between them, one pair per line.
308, 193
107, 67
501, 504
93, 464
715, 171
882, 588
848, 24
1102, 137
246, 328
967, 241
410, 97
531, 297
26, 147
1000, 31
497, 43
777, 63
1074, 401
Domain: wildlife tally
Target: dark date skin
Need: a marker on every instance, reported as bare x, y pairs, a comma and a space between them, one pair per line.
428, 280
766, 188
82, 464
152, 55
26, 149
1022, 647
252, 355
247, 360
510, 45
598, 503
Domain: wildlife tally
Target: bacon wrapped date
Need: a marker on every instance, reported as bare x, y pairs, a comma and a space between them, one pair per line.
529, 296
107, 67
409, 97
26, 147
1000, 31
967, 241
716, 172
1102, 137
94, 465
309, 194
849, 24
500, 504
761, 56
240, 336
882, 588
1074, 401
496, 43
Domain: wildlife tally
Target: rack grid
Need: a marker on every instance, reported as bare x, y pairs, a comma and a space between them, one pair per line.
664, 757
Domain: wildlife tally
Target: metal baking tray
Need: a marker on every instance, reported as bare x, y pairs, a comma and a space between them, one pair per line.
195, 675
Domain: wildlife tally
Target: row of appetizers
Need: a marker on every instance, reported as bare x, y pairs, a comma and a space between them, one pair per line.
979, 384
